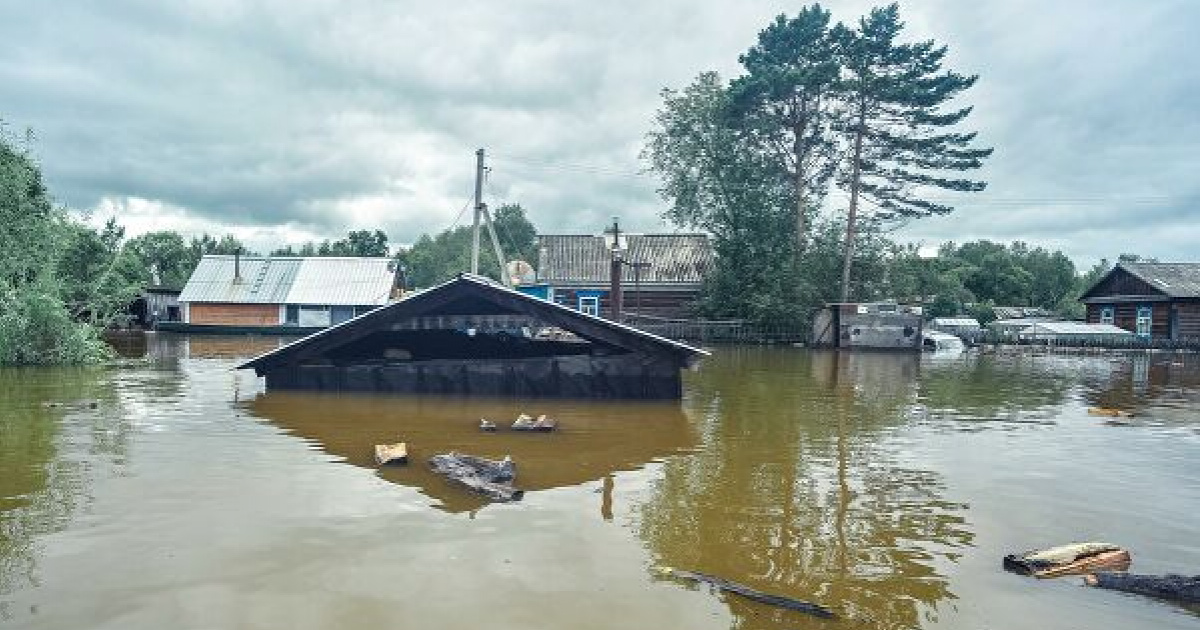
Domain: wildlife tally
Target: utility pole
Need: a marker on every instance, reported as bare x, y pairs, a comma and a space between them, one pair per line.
487, 217
478, 212
614, 297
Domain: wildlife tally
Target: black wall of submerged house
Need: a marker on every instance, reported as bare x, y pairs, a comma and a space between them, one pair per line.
472, 337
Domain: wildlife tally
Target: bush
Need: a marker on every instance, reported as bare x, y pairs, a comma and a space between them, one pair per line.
35, 329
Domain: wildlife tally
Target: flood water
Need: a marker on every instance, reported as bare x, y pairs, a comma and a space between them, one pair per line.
884, 486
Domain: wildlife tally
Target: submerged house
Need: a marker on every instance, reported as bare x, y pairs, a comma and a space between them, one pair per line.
472, 336
281, 294
1148, 299
661, 274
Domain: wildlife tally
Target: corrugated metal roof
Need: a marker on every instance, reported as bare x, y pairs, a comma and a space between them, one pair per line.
1073, 328
1175, 279
956, 321
290, 280
673, 258
348, 281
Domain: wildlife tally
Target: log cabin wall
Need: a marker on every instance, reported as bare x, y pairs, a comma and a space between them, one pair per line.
234, 314
1125, 316
675, 303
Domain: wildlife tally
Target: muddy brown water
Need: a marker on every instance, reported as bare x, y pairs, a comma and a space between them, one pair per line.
886, 487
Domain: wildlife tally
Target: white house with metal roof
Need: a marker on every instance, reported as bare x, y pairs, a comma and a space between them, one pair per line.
283, 293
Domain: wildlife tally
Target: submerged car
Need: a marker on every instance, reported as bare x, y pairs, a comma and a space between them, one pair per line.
933, 341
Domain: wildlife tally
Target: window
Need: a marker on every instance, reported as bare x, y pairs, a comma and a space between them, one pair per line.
1106, 315
1145, 318
293, 314
589, 305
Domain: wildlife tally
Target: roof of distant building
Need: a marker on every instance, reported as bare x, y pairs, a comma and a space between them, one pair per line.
1074, 328
336, 281
960, 322
672, 258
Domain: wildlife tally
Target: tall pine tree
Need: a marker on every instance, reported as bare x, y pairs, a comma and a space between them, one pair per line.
784, 105
895, 122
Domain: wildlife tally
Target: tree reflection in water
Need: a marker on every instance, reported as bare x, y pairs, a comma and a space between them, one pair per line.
802, 488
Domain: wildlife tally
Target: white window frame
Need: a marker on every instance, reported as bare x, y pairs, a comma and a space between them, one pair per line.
589, 304
1107, 314
1145, 320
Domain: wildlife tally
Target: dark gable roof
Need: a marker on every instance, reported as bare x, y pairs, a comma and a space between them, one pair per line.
1181, 280
673, 258
435, 299
1176, 280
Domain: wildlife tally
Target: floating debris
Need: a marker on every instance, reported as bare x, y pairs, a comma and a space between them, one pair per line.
487, 425
1179, 588
810, 608
391, 454
1112, 413
490, 478
527, 423
1072, 559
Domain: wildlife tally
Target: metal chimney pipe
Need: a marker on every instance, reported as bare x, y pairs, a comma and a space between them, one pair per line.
237, 265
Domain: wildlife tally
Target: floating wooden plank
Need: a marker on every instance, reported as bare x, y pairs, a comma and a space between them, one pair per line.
391, 454
810, 608
1178, 588
1074, 558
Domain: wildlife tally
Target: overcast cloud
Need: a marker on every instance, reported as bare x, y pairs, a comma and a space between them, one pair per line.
282, 120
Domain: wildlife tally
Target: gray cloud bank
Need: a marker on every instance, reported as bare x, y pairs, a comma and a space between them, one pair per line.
288, 120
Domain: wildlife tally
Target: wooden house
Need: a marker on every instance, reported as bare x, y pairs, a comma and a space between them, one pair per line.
470, 336
1148, 299
288, 295
661, 276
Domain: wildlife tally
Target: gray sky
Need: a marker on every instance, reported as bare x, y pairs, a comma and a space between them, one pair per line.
282, 120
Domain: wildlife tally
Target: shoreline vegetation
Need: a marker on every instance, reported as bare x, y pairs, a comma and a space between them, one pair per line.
818, 108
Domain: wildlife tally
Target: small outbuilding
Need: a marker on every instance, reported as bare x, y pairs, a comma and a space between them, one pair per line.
868, 326
281, 295
471, 336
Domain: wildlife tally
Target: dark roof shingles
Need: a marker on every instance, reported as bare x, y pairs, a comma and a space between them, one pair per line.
1180, 280
673, 258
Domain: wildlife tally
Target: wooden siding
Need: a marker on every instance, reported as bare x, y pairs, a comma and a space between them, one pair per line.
667, 303
1125, 316
1188, 319
234, 314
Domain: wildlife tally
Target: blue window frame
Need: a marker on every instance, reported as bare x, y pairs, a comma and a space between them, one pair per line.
1145, 320
1107, 315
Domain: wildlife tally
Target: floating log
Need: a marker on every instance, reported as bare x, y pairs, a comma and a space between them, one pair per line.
1111, 413
487, 477
1178, 588
391, 454
487, 425
810, 608
1075, 558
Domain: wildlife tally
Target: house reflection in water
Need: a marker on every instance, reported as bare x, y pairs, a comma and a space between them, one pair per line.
595, 439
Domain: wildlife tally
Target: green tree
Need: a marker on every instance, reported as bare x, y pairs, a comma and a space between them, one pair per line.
165, 258
900, 148
713, 181
784, 106
36, 326
434, 259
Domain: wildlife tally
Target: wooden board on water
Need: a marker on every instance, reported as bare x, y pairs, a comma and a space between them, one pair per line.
391, 454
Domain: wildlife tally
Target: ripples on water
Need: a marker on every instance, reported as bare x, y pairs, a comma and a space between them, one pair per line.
885, 486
